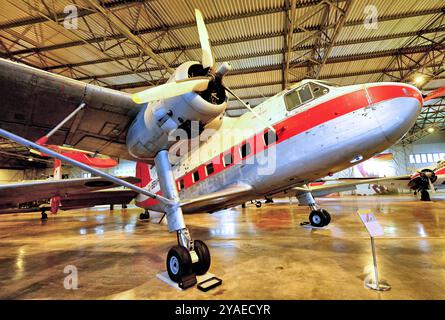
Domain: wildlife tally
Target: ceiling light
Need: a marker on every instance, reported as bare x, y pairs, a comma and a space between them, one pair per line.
418, 79
431, 130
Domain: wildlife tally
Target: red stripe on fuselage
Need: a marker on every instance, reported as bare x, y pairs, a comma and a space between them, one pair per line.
301, 122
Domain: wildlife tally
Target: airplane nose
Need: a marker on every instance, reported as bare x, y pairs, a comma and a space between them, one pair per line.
399, 114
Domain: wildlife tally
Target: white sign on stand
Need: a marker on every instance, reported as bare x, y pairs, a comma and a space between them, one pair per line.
371, 224
375, 230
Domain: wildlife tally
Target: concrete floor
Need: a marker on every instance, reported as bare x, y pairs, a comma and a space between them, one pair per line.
259, 253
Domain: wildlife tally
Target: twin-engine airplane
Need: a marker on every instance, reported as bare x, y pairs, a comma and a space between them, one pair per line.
424, 181
303, 133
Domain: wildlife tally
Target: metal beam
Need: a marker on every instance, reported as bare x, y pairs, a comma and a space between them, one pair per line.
278, 67
289, 19
218, 20
61, 15
238, 57
123, 29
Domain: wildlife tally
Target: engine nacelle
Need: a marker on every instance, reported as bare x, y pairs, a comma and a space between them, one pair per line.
152, 127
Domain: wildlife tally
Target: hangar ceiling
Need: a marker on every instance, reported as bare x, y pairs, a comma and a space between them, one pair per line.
134, 44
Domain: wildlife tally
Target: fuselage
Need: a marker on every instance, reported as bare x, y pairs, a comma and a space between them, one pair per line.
319, 129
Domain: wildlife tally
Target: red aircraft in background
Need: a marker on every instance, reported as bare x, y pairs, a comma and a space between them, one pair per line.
93, 159
71, 192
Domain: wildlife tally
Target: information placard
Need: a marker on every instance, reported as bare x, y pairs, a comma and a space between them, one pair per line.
371, 224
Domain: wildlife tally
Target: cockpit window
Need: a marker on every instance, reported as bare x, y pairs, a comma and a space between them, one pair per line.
303, 94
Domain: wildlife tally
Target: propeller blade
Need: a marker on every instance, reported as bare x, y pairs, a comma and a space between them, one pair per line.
435, 94
431, 186
171, 89
207, 56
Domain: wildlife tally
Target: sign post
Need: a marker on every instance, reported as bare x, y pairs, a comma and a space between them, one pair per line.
374, 229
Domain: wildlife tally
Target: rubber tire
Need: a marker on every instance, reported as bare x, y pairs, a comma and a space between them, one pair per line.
327, 215
425, 195
144, 216
258, 204
322, 218
184, 263
203, 265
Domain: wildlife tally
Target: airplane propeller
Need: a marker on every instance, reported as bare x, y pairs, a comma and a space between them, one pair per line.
425, 181
195, 84
207, 60
171, 89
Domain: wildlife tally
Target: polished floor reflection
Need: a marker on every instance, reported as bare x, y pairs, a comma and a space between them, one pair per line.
259, 253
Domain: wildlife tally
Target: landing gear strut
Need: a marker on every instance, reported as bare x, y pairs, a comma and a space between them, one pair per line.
318, 217
188, 258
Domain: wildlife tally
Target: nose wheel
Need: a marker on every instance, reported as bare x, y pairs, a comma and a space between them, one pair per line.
319, 218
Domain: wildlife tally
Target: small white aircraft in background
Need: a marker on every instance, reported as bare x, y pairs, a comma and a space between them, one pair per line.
303, 133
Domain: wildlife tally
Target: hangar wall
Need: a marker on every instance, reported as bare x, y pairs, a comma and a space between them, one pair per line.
8, 176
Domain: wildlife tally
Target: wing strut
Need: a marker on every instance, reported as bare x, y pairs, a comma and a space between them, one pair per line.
45, 138
109, 177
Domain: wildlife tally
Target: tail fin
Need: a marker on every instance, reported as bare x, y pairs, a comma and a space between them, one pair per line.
143, 173
438, 93
55, 201
57, 169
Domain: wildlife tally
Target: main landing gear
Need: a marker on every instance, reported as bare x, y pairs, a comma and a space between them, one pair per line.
183, 264
145, 216
44, 216
189, 257
257, 203
424, 195
318, 217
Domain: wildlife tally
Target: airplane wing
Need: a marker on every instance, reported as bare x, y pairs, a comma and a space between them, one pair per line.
97, 198
224, 198
347, 184
15, 193
34, 101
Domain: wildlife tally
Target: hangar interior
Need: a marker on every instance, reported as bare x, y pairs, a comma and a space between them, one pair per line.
131, 45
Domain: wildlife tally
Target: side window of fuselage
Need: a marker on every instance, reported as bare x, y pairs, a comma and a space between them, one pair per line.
303, 94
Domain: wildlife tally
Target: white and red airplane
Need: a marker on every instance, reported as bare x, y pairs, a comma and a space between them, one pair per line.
191, 158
